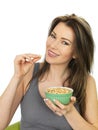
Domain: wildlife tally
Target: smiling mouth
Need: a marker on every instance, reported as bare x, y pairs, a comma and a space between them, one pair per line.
52, 54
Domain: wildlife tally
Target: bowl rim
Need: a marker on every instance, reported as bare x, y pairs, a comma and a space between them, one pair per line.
60, 87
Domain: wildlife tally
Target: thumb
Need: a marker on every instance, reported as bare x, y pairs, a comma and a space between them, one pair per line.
73, 99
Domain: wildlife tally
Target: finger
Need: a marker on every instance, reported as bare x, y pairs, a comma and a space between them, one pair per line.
32, 61
36, 59
60, 105
29, 58
63, 108
73, 99
52, 106
58, 113
32, 56
19, 59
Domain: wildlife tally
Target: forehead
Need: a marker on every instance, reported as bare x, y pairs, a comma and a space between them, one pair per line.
62, 30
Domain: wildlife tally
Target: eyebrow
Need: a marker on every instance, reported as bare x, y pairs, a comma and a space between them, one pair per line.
62, 37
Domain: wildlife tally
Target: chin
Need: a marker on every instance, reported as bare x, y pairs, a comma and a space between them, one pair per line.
50, 61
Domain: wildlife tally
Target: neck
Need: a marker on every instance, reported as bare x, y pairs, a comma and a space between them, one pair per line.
58, 73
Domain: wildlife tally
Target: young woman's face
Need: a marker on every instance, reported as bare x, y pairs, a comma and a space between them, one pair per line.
60, 45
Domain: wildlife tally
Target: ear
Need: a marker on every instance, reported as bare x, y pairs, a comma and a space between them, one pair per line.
74, 57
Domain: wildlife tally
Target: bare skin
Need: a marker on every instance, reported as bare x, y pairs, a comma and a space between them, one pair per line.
59, 52
14, 92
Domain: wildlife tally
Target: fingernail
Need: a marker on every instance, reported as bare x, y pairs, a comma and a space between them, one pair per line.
45, 99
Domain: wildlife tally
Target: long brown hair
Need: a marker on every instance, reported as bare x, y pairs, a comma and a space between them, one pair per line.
79, 67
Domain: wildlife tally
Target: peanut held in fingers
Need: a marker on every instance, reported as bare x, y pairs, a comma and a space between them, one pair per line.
31, 59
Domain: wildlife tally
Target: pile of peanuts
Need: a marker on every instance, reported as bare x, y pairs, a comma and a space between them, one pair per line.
58, 90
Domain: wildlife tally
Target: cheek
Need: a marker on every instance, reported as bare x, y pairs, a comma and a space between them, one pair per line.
67, 53
48, 42
47, 45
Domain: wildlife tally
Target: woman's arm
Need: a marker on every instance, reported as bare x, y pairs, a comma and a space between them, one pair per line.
90, 120
6, 101
77, 122
14, 92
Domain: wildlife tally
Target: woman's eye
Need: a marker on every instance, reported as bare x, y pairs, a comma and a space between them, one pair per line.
65, 43
52, 35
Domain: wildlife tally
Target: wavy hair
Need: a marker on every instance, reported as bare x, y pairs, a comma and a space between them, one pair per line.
81, 66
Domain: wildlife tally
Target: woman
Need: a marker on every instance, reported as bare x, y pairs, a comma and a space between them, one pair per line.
68, 61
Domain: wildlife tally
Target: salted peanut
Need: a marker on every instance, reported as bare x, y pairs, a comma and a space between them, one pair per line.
58, 90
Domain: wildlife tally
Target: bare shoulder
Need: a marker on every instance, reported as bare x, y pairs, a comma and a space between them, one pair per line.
91, 83
91, 89
90, 78
91, 101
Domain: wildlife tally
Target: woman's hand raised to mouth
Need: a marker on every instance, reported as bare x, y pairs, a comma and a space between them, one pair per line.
23, 63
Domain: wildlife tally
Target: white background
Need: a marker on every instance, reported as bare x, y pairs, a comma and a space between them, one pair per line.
24, 26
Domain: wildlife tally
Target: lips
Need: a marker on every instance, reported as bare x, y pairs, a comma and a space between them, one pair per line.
52, 54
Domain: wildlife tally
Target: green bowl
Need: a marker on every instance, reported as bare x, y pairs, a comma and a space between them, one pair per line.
64, 98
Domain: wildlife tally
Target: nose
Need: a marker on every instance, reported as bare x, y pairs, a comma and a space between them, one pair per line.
55, 44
